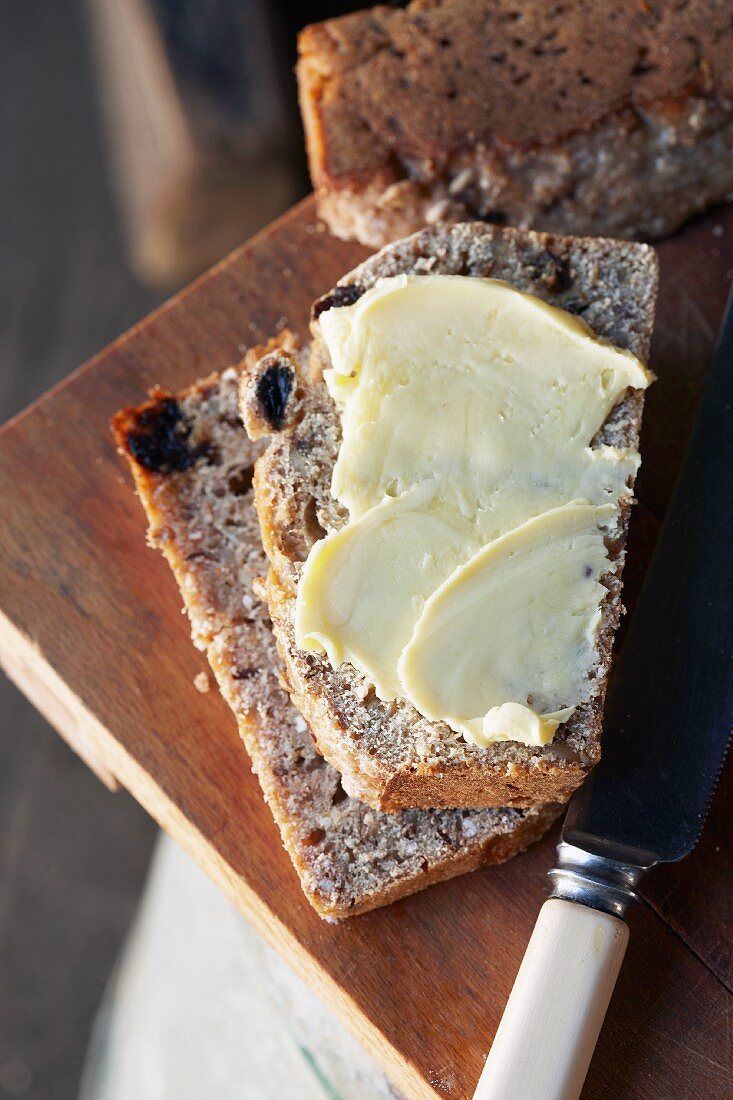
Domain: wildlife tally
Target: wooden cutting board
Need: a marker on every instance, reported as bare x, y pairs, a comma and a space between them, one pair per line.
91, 630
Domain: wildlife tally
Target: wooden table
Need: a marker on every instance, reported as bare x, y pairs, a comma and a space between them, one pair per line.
90, 629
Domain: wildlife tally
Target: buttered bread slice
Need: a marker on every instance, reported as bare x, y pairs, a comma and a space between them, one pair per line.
445, 508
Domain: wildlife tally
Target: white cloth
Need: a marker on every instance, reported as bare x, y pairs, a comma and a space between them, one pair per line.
201, 1009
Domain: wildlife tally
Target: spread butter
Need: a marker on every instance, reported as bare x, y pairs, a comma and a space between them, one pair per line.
467, 579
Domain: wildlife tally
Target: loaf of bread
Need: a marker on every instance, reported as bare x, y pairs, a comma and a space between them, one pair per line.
192, 464
605, 119
387, 753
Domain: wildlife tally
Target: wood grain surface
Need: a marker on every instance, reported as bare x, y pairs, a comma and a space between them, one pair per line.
91, 628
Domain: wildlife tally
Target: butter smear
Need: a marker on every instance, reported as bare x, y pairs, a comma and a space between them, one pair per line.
468, 577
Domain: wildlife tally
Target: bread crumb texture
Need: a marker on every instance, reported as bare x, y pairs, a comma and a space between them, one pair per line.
349, 857
202, 683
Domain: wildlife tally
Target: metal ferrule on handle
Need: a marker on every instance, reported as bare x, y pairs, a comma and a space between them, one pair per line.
600, 883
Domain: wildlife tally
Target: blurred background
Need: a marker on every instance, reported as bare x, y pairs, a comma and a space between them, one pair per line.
140, 140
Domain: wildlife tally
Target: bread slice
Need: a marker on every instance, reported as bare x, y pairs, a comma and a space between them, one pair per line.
388, 755
192, 465
611, 119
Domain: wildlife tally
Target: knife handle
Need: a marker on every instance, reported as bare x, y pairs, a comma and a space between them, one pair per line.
554, 1014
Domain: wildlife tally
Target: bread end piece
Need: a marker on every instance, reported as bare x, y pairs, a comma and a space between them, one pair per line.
614, 120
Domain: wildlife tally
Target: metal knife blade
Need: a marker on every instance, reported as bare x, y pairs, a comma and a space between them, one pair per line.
669, 709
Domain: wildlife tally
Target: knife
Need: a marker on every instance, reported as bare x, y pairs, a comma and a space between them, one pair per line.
668, 719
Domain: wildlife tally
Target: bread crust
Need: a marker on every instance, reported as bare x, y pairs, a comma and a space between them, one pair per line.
192, 465
388, 754
608, 119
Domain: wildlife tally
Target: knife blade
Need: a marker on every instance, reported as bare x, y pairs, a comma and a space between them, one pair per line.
667, 724
669, 709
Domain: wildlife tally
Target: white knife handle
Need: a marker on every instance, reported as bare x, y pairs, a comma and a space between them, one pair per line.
554, 1014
